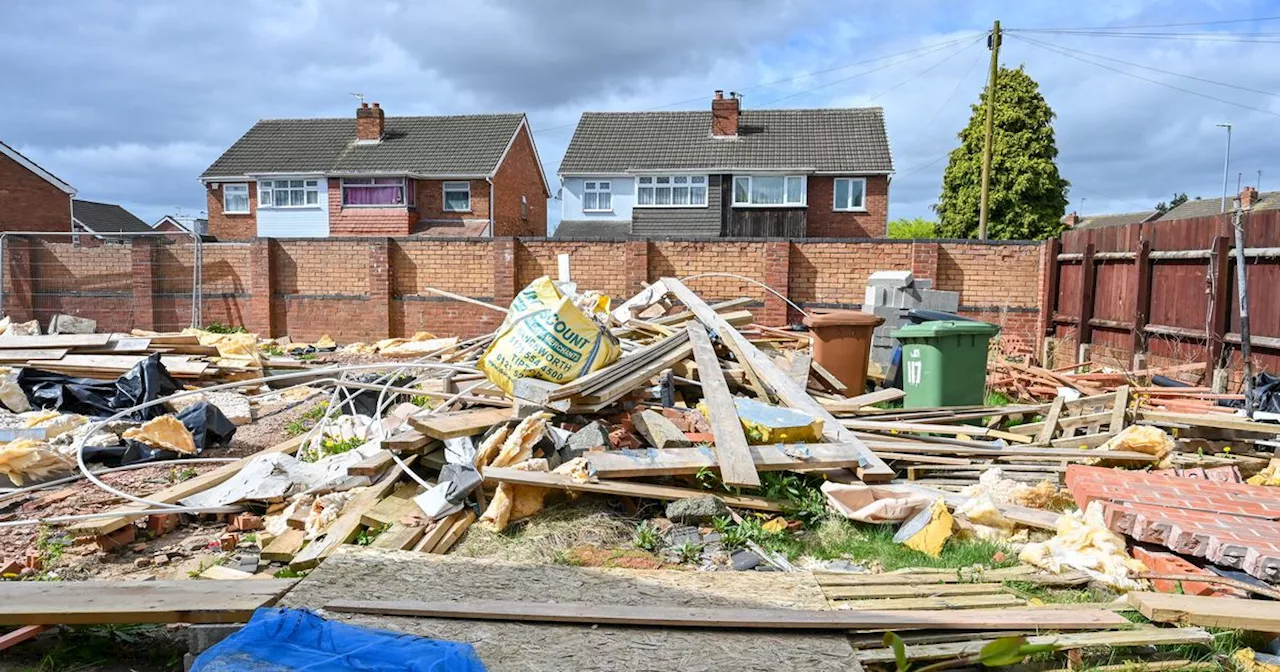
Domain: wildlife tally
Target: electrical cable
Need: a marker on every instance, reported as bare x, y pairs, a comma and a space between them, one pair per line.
1158, 25
743, 277
1147, 67
927, 48
922, 73
1190, 37
1145, 79
7, 495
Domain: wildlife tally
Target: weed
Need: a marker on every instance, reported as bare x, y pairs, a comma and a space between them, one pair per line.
177, 475
331, 447
997, 399
286, 573
423, 401
296, 428
368, 534
50, 544
647, 537
271, 350
220, 328
721, 523
316, 412
860, 542
802, 493
306, 356
251, 537
689, 552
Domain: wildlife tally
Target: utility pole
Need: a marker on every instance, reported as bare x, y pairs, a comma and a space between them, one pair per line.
1226, 166
993, 43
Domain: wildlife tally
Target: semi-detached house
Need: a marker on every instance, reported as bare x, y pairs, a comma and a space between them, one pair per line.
374, 175
727, 172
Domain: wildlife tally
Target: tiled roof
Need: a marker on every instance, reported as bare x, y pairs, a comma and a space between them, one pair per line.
1208, 207
592, 229
107, 218
1118, 219
852, 139
442, 145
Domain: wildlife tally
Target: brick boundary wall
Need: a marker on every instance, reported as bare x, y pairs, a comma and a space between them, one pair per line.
361, 289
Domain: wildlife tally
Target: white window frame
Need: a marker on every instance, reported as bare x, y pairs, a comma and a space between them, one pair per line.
835, 189
242, 187
804, 191
351, 181
597, 187
654, 183
447, 187
268, 188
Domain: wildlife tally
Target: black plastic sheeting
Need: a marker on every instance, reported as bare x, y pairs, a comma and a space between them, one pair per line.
1266, 393
147, 381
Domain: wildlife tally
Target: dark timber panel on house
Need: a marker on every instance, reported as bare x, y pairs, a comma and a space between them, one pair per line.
766, 223
681, 221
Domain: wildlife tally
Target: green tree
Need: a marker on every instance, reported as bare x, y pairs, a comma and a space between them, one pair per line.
913, 228
1028, 197
1178, 199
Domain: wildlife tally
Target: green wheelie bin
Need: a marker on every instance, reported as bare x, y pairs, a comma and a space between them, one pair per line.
944, 363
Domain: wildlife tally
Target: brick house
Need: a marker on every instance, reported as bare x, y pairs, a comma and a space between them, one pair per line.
821, 173
31, 198
373, 175
94, 217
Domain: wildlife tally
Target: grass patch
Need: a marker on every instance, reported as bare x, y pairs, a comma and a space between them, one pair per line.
368, 534
994, 398
837, 538
546, 536
286, 573
1035, 591
220, 328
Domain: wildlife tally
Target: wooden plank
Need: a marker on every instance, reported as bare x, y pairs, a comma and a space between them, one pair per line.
177, 366
119, 344
873, 468
753, 377
676, 461
855, 403
283, 547
455, 532
54, 341
25, 354
1118, 409
733, 456
1050, 424
348, 524
437, 531
759, 619
1078, 640
394, 507
454, 425
173, 493
622, 488
910, 590
95, 602
922, 603
373, 465
12, 639
224, 573
1211, 612
399, 537
1216, 422
924, 428
1069, 454
829, 379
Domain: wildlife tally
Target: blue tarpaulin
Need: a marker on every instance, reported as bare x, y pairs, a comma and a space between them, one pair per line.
285, 640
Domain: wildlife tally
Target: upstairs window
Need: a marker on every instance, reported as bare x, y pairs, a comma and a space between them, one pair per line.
672, 191
457, 197
373, 191
783, 190
235, 199
288, 193
850, 192
597, 196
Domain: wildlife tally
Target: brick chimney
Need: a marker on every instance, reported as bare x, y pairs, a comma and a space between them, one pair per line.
1072, 219
369, 123
724, 115
1248, 196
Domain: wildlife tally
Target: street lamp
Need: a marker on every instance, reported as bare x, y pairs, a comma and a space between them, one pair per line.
1226, 165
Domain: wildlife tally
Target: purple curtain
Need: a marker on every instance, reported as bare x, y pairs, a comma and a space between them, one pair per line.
373, 195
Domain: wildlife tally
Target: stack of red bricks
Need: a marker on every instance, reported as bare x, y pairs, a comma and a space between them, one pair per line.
1232, 525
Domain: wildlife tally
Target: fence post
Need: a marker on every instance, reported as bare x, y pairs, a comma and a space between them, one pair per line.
1142, 294
260, 286
505, 273
144, 289
777, 274
379, 290
1049, 300
1088, 282
1220, 301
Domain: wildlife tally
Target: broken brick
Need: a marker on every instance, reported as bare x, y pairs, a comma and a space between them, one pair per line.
162, 523
116, 540
246, 522
227, 542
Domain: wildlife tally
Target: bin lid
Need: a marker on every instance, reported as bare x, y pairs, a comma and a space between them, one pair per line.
918, 315
842, 318
946, 328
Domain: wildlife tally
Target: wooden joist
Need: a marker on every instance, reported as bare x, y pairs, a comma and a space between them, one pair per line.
869, 592
348, 524
465, 423
1078, 640
926, 603
733, 456
101, 602
621, 488
1210, 612
766, 619
677, 461
873, 469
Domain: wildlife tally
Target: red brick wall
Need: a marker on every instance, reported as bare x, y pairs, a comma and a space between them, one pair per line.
368, 221
366, 289
28, 202
429, 199
824, 222
232, 227
519, 176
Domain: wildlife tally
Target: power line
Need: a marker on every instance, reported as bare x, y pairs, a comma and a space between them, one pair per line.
927, 49
959, 83
1145, 79
1194, 37
1159, 25
922, 72
1147, 67
860, 74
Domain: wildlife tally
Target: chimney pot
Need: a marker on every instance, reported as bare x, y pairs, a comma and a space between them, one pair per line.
724, 115
1072, 219
370, 122
364, 104
375, 105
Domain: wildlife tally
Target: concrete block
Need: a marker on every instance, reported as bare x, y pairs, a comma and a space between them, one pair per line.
891, 279
70, 324
932, 299
874, 296
658, 430
923, 283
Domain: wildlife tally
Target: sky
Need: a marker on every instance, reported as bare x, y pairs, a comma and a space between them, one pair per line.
130, 102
